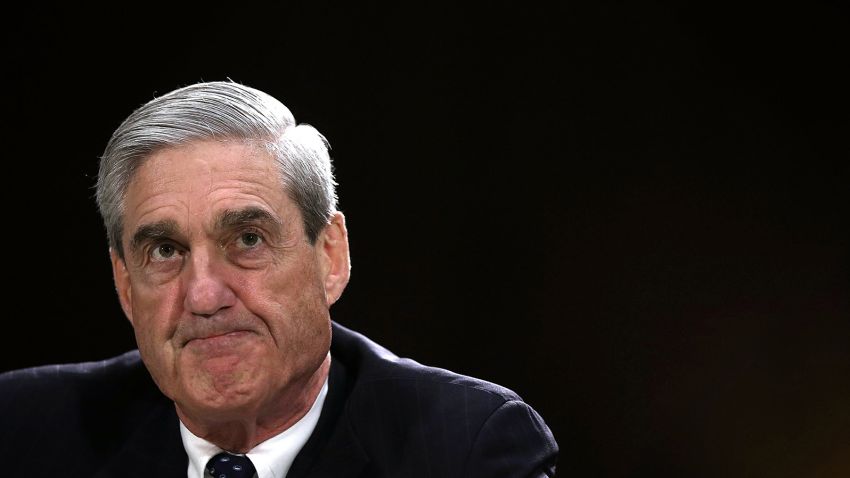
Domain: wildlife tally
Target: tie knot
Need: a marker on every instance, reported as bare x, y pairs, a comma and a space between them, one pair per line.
226, 465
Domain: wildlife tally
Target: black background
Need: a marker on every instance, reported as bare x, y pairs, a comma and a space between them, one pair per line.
635, 215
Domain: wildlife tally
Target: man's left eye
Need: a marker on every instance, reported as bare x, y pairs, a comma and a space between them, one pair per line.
249, 240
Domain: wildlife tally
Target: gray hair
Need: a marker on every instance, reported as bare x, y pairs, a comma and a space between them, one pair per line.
219, 111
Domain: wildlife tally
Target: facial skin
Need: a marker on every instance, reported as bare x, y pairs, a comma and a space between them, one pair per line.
227, 297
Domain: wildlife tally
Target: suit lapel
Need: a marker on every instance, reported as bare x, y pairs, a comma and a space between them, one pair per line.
343, 458
154, 449
332, 450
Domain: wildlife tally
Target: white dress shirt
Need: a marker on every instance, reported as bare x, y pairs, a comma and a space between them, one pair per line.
272, 458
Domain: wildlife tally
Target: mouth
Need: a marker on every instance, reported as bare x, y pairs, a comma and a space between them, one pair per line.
217, 341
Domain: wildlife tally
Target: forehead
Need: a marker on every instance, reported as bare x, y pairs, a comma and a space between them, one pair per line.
211, 155
200, 178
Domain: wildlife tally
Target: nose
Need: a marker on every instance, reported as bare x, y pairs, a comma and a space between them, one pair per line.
207, 290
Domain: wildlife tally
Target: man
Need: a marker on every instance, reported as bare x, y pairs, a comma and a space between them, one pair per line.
227, 251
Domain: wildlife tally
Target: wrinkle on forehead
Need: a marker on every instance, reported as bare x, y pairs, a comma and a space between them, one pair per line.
199, 178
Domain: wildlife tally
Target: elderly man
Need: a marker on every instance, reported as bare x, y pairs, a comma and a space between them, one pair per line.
227, 252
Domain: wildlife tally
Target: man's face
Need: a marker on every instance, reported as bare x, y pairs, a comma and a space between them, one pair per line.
228, 299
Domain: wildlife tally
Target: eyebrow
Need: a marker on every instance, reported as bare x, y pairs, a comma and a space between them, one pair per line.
230, 219
154, 230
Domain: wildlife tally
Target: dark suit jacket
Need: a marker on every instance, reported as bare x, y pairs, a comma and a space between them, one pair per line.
383, 417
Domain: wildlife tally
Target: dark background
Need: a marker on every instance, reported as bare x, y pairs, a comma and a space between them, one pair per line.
634, 215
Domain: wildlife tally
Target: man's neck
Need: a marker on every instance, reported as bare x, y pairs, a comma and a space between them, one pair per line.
242, 435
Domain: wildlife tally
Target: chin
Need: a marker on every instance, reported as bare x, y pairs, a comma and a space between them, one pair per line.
221, 405
223, 389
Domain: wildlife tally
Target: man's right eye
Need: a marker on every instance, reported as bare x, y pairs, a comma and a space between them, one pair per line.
163, 252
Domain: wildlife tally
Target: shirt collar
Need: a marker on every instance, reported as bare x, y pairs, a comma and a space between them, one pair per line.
272, 458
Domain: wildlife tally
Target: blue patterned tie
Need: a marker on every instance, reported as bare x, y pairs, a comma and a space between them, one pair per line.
225, 465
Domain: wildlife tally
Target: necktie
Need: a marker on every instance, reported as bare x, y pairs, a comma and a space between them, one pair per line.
225, 465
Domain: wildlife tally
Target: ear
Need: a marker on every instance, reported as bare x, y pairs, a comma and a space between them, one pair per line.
334, 262
122, 283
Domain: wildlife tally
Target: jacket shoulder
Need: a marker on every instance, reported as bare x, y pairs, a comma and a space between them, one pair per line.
373, 364
406, 415
64, 374
66, 385
84, 408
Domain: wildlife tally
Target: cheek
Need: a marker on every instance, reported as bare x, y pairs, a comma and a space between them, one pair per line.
304, 330
155, 315
294, 309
